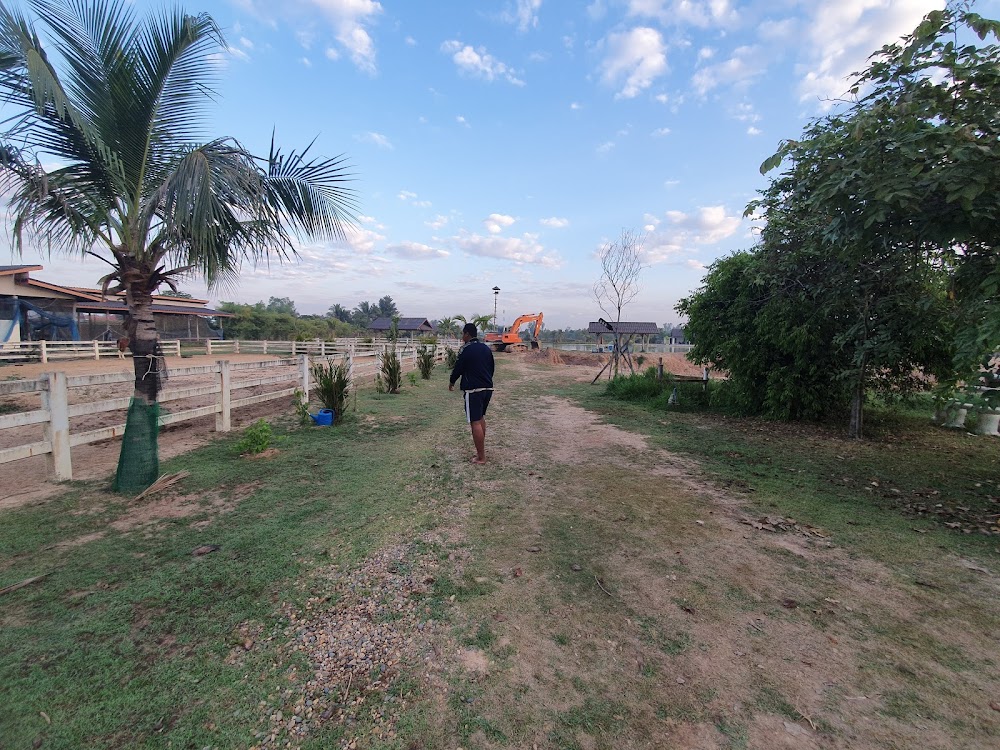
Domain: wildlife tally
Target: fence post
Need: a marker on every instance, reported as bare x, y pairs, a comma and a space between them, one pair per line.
56, 400
265, 346
97, 349
208, 347
224, 417
236, 346
350, 368
659, 370
44, 353
304, 365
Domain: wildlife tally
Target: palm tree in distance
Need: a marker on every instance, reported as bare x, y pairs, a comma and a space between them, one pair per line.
116, 105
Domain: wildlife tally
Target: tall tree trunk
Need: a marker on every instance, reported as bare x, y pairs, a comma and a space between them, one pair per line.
856, 430
138, 463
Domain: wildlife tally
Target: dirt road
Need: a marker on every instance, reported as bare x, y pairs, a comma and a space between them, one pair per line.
638, 609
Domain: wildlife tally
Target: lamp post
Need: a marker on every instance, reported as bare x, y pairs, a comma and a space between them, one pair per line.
496, 295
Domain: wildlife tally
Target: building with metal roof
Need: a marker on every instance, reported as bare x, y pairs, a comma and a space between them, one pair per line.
410, 326
32, 309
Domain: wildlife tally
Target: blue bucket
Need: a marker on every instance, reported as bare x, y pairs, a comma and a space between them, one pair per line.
324, 418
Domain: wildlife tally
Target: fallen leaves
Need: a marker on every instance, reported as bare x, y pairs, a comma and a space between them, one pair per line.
775, 524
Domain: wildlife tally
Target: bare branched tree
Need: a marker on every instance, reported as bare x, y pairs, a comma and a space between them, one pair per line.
621, 264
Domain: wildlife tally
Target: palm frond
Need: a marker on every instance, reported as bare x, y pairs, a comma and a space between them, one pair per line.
311, 196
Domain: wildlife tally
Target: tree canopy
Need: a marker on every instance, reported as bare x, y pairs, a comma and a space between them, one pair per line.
878, 263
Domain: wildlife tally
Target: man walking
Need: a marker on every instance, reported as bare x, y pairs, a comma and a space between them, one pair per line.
475, 368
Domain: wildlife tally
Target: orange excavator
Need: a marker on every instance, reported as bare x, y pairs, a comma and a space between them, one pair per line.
510, 340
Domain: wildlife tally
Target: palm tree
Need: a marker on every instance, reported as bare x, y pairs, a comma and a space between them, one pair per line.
448, 326
134, 183
339, 312
387, 308
482, 322
364, 314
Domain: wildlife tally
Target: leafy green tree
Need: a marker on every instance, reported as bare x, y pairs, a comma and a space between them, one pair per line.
883, 222
281, 305
117, 105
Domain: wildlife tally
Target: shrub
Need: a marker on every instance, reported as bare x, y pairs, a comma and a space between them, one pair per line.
333, 384
425, 361
450, 357
390, 377
412, 377
256, 438
637, 387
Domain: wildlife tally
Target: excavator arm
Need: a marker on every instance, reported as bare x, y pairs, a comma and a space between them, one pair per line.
510, 340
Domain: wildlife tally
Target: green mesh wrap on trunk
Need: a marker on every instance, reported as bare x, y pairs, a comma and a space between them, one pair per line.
139, 462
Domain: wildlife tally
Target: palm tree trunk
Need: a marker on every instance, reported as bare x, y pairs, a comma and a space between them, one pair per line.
142, 342
139, 463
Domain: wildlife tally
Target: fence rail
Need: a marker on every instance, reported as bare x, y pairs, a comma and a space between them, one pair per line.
53, 391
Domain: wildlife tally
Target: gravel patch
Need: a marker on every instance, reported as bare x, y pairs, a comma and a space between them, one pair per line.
356, 640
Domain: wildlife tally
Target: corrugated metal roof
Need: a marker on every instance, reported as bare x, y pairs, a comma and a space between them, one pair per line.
5, 270
405, 324
165, 309
624, 327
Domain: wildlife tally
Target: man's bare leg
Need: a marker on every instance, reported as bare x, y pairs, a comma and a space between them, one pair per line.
479, 440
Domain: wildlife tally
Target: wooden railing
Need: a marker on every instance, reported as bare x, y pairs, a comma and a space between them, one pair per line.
49, 351
55, 410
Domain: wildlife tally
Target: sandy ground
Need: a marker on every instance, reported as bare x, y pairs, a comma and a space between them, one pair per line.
26, 481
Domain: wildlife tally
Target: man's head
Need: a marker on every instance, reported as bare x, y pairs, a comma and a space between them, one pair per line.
469, 332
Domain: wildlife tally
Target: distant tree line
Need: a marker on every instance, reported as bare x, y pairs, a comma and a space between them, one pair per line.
278, 320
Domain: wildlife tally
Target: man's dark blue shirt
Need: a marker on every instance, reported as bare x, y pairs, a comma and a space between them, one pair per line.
474, 366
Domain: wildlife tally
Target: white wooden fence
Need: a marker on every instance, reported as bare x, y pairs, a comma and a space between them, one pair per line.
49, 351
55, 410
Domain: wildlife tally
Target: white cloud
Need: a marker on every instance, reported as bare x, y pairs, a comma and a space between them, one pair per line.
411, 198
701, 13
349, 19
521, 250
754, 131
842, 33
596, 10
496, 223
377, 139
524, 14
416, 251
332, 54
671, 183
660, 132
638, 56
745, 64
708, 225
460, 119
606, 147
479, 63
246, 42
575, 105
554, 222
706, 53
410, 41
438, 222
306, 61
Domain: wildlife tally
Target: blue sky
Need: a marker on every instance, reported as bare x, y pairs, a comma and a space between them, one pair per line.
503, 142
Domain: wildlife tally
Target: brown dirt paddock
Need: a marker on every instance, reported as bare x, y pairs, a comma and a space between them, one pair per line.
26, 481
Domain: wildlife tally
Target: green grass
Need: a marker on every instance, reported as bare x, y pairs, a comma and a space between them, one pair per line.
869, 492
124, 644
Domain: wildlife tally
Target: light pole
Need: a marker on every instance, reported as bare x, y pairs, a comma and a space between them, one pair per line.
496, 295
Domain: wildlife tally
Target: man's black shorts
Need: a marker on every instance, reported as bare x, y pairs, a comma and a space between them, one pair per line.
476, 404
